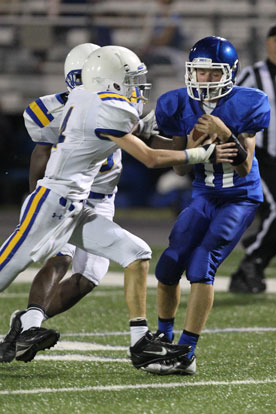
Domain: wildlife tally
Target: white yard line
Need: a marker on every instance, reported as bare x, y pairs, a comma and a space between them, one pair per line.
116, 279
205, 331
139, 386
126, 333
84, 346
79, 358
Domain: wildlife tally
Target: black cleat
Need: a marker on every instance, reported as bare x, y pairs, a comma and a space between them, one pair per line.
150, 349
249, 278
33, 340
181, 366
7, 345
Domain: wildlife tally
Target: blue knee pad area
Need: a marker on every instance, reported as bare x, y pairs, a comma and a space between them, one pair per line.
202, 266
168, 270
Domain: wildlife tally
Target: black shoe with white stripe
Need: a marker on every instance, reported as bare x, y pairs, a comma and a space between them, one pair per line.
33, 340
150, 349
7, 346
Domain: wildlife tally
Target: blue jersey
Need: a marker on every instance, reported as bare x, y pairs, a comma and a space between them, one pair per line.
242, 110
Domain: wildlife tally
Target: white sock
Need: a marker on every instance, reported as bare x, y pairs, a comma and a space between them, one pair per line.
32, 318
136, 333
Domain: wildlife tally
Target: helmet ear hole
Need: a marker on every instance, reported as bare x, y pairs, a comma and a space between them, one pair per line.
116, 86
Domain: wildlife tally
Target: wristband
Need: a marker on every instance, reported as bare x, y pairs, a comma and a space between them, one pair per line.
205, 154
241, 155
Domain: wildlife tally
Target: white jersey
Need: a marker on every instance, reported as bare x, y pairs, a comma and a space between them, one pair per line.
77, 158
42, 120
53, 216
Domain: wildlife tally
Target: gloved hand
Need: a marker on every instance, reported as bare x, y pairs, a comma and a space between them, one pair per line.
147, 126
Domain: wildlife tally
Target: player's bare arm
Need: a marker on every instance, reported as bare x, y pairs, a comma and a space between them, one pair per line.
155, 158
248, 142
38, 162
180, 143
159, 142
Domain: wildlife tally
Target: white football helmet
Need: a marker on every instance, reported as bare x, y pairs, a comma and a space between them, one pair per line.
115, 69
74, 62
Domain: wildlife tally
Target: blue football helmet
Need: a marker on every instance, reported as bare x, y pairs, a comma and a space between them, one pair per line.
211, 53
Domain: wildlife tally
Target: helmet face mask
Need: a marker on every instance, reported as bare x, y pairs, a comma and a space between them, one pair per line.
138, 80
213, 53
73, 78
74, 62
116, 69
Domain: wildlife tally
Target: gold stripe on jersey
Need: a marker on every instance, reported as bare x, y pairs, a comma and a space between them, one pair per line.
39, 113
112, 95
19, 232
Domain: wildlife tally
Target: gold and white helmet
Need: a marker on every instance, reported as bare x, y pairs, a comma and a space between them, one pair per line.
115, 69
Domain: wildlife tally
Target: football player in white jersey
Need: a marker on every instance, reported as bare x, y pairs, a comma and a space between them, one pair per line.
49, 294
95, 122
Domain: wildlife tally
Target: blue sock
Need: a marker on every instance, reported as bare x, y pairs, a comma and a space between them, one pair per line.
189, 338
166, 326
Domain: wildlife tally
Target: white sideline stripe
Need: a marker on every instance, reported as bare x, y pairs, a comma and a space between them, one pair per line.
86, 346
117, 279
96, 293
138, 386
77, 357
124, 333
206, 331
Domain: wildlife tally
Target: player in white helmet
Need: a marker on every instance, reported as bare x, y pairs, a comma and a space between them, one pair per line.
49, 294
93, 126
42, 121
74, 62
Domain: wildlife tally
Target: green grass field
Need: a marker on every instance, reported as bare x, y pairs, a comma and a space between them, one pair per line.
88, 371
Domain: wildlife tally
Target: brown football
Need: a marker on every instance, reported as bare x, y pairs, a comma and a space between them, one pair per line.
196, 134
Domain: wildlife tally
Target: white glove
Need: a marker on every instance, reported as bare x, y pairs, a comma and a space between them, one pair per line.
147, 126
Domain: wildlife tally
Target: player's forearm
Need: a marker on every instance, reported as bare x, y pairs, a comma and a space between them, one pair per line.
248, 144
159, 142
179, 143
244, 168
161, 158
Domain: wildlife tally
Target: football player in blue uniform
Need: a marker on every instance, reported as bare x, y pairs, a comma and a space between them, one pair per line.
225, 196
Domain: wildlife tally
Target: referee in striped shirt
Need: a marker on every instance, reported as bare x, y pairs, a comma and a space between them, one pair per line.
260, 247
